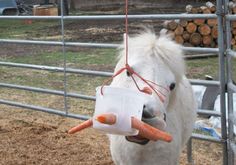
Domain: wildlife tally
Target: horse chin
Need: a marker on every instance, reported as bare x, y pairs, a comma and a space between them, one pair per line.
155, 122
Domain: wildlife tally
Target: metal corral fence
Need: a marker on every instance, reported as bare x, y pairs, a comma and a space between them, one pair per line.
223, 50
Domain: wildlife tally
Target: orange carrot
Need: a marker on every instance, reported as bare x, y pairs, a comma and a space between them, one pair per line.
145, 130
150, 132
85, 124
109, 119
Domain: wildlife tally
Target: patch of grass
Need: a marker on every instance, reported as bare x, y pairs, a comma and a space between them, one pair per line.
33, 78
198, 68
20, 29
84, 84
76, 59
96, 59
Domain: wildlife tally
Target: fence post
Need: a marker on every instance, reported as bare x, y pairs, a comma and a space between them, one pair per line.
189, 151
230, 141
221, 38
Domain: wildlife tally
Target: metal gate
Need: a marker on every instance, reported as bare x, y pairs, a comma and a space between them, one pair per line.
225, 82
231, 87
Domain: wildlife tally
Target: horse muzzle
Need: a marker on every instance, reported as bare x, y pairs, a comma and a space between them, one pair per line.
152, 120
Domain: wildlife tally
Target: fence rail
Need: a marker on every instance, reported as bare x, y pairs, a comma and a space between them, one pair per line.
117, 17
96, 45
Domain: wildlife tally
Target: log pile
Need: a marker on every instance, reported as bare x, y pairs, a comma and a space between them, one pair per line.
232, 9
195, 32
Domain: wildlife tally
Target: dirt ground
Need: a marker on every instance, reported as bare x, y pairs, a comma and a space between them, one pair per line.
28, 137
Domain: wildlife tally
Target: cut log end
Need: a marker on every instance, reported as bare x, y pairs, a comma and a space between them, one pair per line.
195, 39
179, 39
191, 27
179, 30
204, 30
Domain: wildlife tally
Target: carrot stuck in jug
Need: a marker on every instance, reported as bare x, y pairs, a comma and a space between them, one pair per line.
149, 132
145, 130
85, 124
109, 119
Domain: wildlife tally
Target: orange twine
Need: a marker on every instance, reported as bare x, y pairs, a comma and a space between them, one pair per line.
130, 70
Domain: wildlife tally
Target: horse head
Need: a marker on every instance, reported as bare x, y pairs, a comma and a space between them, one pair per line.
155, 66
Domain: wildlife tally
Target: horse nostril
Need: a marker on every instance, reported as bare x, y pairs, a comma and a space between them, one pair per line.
164, 116
146, 113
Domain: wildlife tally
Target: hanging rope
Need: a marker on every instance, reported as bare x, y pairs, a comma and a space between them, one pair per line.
150, 84
126, 32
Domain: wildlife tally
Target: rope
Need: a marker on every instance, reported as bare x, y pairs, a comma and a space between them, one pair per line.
151, 84
126, 32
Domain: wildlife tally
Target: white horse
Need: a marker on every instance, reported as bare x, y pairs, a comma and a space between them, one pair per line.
160, 60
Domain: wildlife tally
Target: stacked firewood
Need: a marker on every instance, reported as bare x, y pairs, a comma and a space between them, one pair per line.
194, 32
232, 9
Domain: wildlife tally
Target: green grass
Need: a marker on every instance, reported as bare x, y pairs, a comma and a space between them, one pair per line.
198, 68
97, 59
20, 29
80, 58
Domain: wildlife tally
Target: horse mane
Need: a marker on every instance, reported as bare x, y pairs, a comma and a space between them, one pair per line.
161, 47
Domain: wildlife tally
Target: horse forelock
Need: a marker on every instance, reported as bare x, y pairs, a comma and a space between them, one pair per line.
160, 47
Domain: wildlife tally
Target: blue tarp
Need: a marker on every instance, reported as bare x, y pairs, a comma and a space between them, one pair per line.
8, 5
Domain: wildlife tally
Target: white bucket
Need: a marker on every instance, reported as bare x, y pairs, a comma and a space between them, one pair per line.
122, 102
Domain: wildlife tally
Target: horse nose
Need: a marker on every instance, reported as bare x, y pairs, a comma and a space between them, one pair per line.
147, 90
146, 113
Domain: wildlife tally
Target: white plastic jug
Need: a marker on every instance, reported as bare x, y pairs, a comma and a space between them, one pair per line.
122, 102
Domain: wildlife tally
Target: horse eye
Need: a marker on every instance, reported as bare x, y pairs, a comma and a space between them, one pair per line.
172, 86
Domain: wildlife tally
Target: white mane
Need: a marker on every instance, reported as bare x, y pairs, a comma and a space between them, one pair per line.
162, 47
